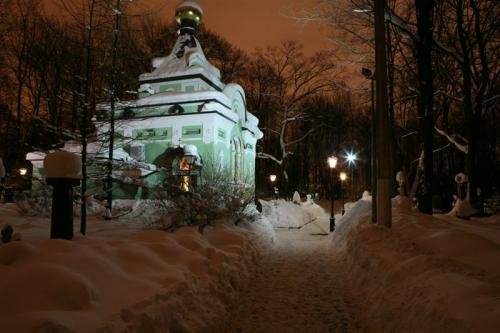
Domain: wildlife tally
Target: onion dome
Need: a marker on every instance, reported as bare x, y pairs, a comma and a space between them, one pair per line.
188, 15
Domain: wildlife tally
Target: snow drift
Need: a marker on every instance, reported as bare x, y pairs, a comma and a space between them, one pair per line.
121, 277
424, 274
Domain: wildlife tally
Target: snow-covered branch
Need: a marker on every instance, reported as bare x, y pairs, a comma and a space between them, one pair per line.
270, 157
452, 139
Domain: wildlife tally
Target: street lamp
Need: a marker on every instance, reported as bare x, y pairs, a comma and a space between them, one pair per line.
343, 177
23, 171
274, 191
332, 163
351, 160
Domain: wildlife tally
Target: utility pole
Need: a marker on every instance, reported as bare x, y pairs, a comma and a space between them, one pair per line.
383, 130
373, 138
116, 32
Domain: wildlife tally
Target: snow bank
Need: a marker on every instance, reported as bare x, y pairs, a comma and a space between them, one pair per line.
424, 274
462, 208
121, 277
285, 214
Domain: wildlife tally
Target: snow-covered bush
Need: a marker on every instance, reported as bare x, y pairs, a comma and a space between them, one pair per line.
215, 198
37, 202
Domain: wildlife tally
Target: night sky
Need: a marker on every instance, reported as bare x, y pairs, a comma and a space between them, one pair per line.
255, 23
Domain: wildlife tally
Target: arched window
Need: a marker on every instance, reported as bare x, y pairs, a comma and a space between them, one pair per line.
237, 159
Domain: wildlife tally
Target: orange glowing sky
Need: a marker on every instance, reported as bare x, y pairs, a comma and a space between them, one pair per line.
254, 23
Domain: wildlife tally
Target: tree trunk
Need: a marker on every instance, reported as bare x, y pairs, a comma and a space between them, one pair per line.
425, 13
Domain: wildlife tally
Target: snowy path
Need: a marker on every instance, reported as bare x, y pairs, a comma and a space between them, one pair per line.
296, 288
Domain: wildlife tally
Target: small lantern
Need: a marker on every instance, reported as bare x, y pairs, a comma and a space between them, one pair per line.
343, 176
332, 162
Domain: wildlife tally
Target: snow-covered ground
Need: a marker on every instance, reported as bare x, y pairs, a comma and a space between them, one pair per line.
426, 274
121, 277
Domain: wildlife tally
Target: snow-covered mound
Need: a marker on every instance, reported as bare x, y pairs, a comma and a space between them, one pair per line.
424, 274
462, 208
402, 201
121, 277
285, 214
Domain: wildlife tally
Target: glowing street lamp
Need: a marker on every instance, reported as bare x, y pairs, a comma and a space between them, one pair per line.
23, 171
274, 189
332, 163
343, 177
351, 158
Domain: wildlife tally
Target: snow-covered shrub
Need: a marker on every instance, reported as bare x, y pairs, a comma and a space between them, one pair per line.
213, 199
37, 202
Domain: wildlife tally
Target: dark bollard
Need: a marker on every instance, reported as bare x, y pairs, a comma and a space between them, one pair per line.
63, 171
62, 207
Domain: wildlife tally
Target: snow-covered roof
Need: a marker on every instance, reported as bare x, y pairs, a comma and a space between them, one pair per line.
118, 105
170, 97
187, 57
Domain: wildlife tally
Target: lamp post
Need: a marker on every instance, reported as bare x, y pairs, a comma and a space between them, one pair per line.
332, 163
370, 75
272, 178
351, 160
63, 170
343, 177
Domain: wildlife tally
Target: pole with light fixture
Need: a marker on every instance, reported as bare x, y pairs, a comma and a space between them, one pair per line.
351, 160
332, 163
343, 177
63, 170
274, 192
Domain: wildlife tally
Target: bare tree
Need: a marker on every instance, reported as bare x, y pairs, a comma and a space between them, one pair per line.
289, 79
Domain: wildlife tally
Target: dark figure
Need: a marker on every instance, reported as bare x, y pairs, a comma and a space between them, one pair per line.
7, 232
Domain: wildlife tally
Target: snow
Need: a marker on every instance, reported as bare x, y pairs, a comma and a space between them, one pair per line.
462, 208
62, 164
171, 97
278, 271
187, 57
122, 276
424, 274
285, 214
